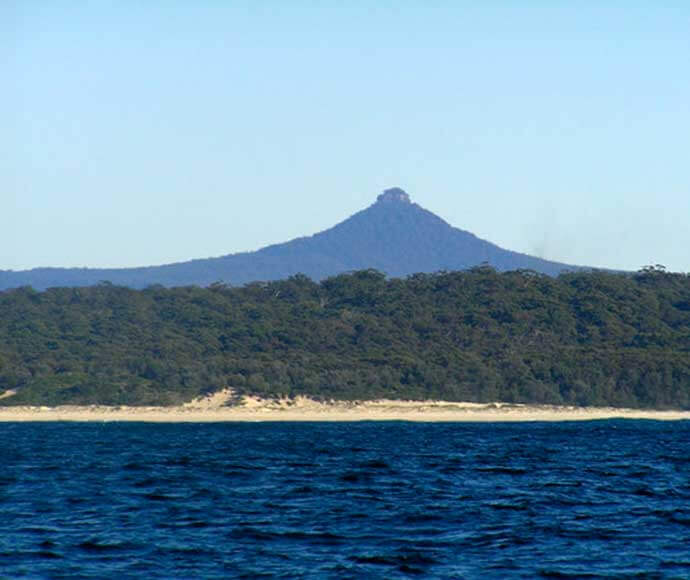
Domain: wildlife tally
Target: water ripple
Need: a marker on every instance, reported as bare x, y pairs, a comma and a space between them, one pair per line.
574, 500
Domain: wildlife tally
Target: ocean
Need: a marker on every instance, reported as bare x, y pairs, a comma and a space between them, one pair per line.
600, 499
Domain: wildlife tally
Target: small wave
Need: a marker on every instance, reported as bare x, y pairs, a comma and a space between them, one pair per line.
520, 506
374, 464
575, 575
96, 545
353, 477
502, 470
644, 492
49, 555
134, 466
183, 461
302, 490
156, 496
412, 562
251, 533
322, 538
186, 551
146, 482
420, 518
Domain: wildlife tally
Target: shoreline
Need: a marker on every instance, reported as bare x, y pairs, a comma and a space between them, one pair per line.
253, 409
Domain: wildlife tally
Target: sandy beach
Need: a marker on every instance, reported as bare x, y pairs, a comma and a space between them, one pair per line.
215, 408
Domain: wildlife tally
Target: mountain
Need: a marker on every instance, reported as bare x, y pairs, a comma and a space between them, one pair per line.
394, 235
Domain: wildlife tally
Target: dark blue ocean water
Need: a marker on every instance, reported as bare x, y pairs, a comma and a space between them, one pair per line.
608, 499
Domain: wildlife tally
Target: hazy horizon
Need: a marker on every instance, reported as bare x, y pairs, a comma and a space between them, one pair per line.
144, 134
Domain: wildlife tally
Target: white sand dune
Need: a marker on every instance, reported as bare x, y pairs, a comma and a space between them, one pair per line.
215, 408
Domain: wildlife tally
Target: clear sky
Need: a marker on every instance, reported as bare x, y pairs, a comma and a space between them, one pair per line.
136, 133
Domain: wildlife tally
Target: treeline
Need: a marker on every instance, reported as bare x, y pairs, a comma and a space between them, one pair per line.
479, 335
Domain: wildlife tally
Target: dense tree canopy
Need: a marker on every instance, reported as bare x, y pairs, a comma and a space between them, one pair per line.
479, 335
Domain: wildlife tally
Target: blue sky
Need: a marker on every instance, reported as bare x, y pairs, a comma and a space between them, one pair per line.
136, 133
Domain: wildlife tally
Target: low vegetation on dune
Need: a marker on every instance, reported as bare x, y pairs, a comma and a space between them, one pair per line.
582, 338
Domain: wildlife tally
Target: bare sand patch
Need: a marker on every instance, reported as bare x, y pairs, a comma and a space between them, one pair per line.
224, 406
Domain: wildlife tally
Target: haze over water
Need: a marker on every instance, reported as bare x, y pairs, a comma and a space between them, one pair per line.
349, 500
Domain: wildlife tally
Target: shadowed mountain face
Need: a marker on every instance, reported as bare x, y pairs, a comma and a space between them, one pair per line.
393, 235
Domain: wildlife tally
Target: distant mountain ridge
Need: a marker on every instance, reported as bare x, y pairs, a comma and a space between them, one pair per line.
394, 235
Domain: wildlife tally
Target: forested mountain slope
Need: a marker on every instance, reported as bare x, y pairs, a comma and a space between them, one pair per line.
480, 335
393, 235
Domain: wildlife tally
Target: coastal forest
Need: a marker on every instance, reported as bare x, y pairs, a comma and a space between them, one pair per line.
582, 338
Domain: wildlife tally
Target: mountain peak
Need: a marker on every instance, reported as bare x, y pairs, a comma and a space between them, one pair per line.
394, 194
393, 235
